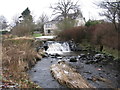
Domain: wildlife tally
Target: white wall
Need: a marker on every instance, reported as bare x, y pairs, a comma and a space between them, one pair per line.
49, 26
52, 26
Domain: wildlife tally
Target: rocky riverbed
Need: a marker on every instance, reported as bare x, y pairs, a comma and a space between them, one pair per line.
100, 70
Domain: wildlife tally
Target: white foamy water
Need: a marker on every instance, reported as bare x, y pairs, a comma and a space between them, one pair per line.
58, 48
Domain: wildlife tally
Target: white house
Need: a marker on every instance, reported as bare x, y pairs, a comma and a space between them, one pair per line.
51, 26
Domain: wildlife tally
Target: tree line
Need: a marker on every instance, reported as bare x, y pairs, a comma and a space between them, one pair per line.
25, 24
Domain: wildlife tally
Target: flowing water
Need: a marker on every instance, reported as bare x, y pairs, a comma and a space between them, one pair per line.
41, 75
58, 47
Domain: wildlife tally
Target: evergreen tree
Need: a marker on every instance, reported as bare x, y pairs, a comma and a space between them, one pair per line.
25, 25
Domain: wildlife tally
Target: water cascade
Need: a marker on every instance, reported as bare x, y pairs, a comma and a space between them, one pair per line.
57, 47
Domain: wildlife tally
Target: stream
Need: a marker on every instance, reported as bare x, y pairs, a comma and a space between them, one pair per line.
98, 69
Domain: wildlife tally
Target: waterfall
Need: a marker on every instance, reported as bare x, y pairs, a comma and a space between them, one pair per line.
57, 47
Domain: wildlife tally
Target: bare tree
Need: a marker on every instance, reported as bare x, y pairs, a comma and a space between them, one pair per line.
3, 22
41, 21
64, 7
15, 20
112, 12
66, 24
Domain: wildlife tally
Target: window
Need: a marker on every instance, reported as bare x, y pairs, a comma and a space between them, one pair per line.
48, 25
49, 31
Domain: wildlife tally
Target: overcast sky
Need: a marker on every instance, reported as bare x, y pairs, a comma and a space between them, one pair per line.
11, 8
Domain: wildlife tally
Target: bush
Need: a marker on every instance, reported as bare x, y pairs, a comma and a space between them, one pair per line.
99, 34
90, 23
77, 34
22, 30
104, 34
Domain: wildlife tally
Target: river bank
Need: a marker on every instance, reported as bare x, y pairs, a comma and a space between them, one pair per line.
18, 56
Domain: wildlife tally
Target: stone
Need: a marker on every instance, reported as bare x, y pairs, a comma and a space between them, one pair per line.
90, 62
99, 56
82, 55
34, 70
59, 57
59, 61
73, 60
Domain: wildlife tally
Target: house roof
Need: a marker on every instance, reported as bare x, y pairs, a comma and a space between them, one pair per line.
60, 17
72, 16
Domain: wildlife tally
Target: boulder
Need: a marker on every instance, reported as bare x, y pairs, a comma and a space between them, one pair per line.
99, 56
73, 59
82, 55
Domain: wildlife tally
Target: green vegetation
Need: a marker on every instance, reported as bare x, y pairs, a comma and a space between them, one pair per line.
89, 23
26, 26
37, 34
111, 51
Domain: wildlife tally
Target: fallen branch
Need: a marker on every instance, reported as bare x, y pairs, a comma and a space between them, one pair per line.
68, 76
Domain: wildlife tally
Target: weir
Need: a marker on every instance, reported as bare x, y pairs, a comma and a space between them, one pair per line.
57, 47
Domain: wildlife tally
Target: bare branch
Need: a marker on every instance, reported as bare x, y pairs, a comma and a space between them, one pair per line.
64, 7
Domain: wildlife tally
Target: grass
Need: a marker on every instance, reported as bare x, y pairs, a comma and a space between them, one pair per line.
107, 50
37, 35
111, 51
18, 57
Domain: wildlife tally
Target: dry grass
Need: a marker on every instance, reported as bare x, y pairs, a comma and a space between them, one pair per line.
18, 56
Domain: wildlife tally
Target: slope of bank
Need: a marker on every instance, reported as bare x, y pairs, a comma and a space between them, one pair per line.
18, 56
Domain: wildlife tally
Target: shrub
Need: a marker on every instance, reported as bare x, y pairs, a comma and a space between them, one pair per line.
76, 33
23, 30
99, 34
90, 23
104, 34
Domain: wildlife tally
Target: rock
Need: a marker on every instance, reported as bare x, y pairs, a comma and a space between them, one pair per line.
100, 66
60, 61
88, 54
88, 72
45, 47
34, 70
110, 57
79, 56
90, 62
54, 55
96, 78
59, 57
99, 56
35, 81
116, 75
44, 55
73, 60
82, 55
